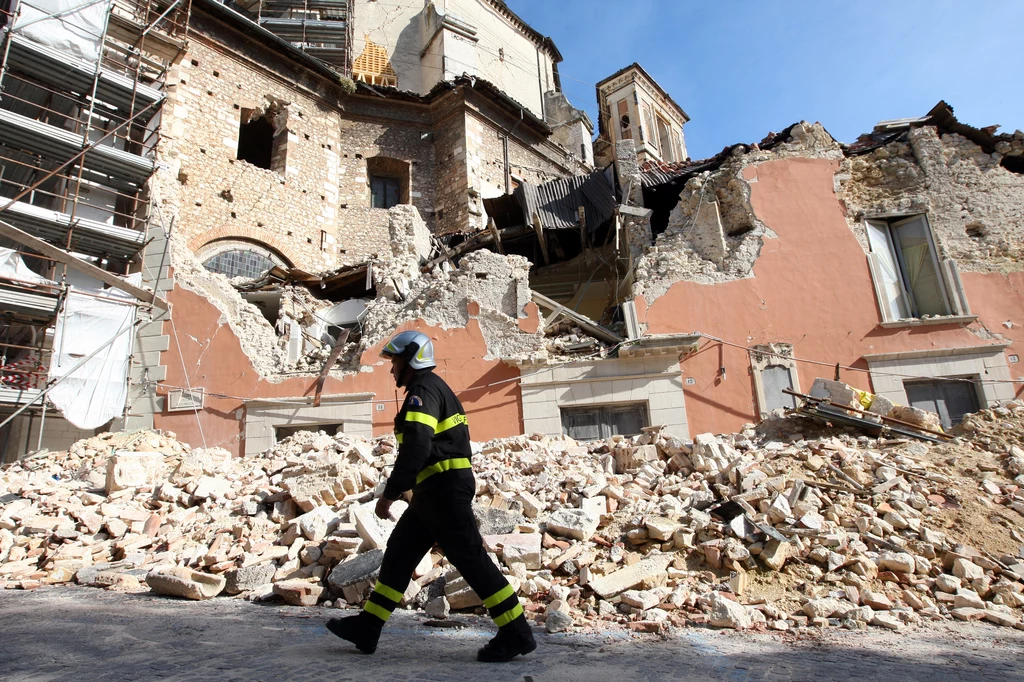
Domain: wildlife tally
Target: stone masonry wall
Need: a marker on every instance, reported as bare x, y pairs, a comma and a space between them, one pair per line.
973, 203
220, 197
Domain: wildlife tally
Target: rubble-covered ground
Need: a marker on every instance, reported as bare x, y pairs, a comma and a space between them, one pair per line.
783, 526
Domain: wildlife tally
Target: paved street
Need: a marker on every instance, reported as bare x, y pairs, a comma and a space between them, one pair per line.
79, 633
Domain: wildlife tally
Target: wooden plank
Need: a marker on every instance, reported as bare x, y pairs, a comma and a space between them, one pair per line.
637, 211
540, 237
496, 235
331, 360
585, 323
61, 256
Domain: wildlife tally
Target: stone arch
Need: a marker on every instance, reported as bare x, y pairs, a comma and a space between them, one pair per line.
239, 257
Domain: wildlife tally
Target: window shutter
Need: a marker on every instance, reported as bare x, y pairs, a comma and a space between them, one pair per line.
955, 287
885, 273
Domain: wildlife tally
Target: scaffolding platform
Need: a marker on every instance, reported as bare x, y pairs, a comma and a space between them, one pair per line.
90, 237
22, 132
61, 70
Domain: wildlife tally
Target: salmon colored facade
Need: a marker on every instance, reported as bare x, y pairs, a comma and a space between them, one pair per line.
811, 288
488, 388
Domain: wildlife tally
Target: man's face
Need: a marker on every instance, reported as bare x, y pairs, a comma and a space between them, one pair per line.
397, 368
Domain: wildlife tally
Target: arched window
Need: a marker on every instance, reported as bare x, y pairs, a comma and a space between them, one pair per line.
238, 258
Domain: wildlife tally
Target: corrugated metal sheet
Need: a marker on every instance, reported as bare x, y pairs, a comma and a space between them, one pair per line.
557, 203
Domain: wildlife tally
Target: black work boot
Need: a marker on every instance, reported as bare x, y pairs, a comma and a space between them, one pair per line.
363, 630
514, 639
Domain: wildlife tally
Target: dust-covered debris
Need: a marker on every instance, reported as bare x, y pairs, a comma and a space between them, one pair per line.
786, 525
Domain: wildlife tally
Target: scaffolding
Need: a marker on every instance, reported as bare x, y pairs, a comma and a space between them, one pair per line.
81, 90
321, 28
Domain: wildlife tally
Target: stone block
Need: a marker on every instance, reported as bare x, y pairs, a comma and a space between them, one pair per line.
775, 554
460, 595
133, 469
572, 523
494, 521
298, 592
209, 486
362, 567
373, 530
522, 548
183, 582
248, 578
725, 613
631, 576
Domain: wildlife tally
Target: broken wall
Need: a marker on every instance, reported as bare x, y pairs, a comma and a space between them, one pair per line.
713, 234
806, 282
214, 195
973, 203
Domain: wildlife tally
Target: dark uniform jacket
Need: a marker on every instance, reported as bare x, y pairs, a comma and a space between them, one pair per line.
433, 437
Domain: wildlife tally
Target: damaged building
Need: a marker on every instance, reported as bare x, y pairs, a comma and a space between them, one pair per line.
264, 192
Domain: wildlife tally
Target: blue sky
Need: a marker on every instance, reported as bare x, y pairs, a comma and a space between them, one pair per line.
742, 68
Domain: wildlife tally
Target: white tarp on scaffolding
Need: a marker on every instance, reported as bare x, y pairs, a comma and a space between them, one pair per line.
73, 26
96, 392
13, 267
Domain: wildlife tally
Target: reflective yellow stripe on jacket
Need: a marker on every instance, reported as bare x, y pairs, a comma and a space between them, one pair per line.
446, 465
439, 427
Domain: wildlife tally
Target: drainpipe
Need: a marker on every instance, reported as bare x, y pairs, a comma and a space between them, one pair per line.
508, 170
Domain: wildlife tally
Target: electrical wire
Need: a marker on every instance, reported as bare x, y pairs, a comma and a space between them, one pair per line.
854, 369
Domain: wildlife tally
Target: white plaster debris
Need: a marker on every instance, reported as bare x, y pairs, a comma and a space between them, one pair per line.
661, 551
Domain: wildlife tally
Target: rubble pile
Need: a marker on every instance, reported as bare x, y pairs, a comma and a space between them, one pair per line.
786, 525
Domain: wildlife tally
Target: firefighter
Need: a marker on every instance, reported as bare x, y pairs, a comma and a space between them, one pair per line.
434, 462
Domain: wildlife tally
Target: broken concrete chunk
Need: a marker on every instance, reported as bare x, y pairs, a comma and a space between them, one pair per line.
183, 582
298, 592
725, 613
623, 579
572, 523
375, 531
133, 469
248, 578
360, 568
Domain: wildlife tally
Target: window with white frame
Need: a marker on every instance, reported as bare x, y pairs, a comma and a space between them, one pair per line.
910, 279
595, 422
774, 369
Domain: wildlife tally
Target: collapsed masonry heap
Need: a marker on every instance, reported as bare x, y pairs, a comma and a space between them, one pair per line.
784, 525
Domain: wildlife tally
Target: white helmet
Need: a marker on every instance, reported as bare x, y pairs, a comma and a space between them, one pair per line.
415, 347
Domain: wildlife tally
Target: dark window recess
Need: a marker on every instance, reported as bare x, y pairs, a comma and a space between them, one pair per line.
282, 432
951, 400
593, 423
256, 143
774, 378
240, 263
384, 192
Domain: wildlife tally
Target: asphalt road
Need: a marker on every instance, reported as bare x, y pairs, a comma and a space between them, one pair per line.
70, 633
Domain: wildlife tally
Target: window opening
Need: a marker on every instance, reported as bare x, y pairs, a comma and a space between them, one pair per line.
256, 141
239, 263
384, 192
949, 399
282, 432
625, 126
598, 422
665, 141
912, 283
